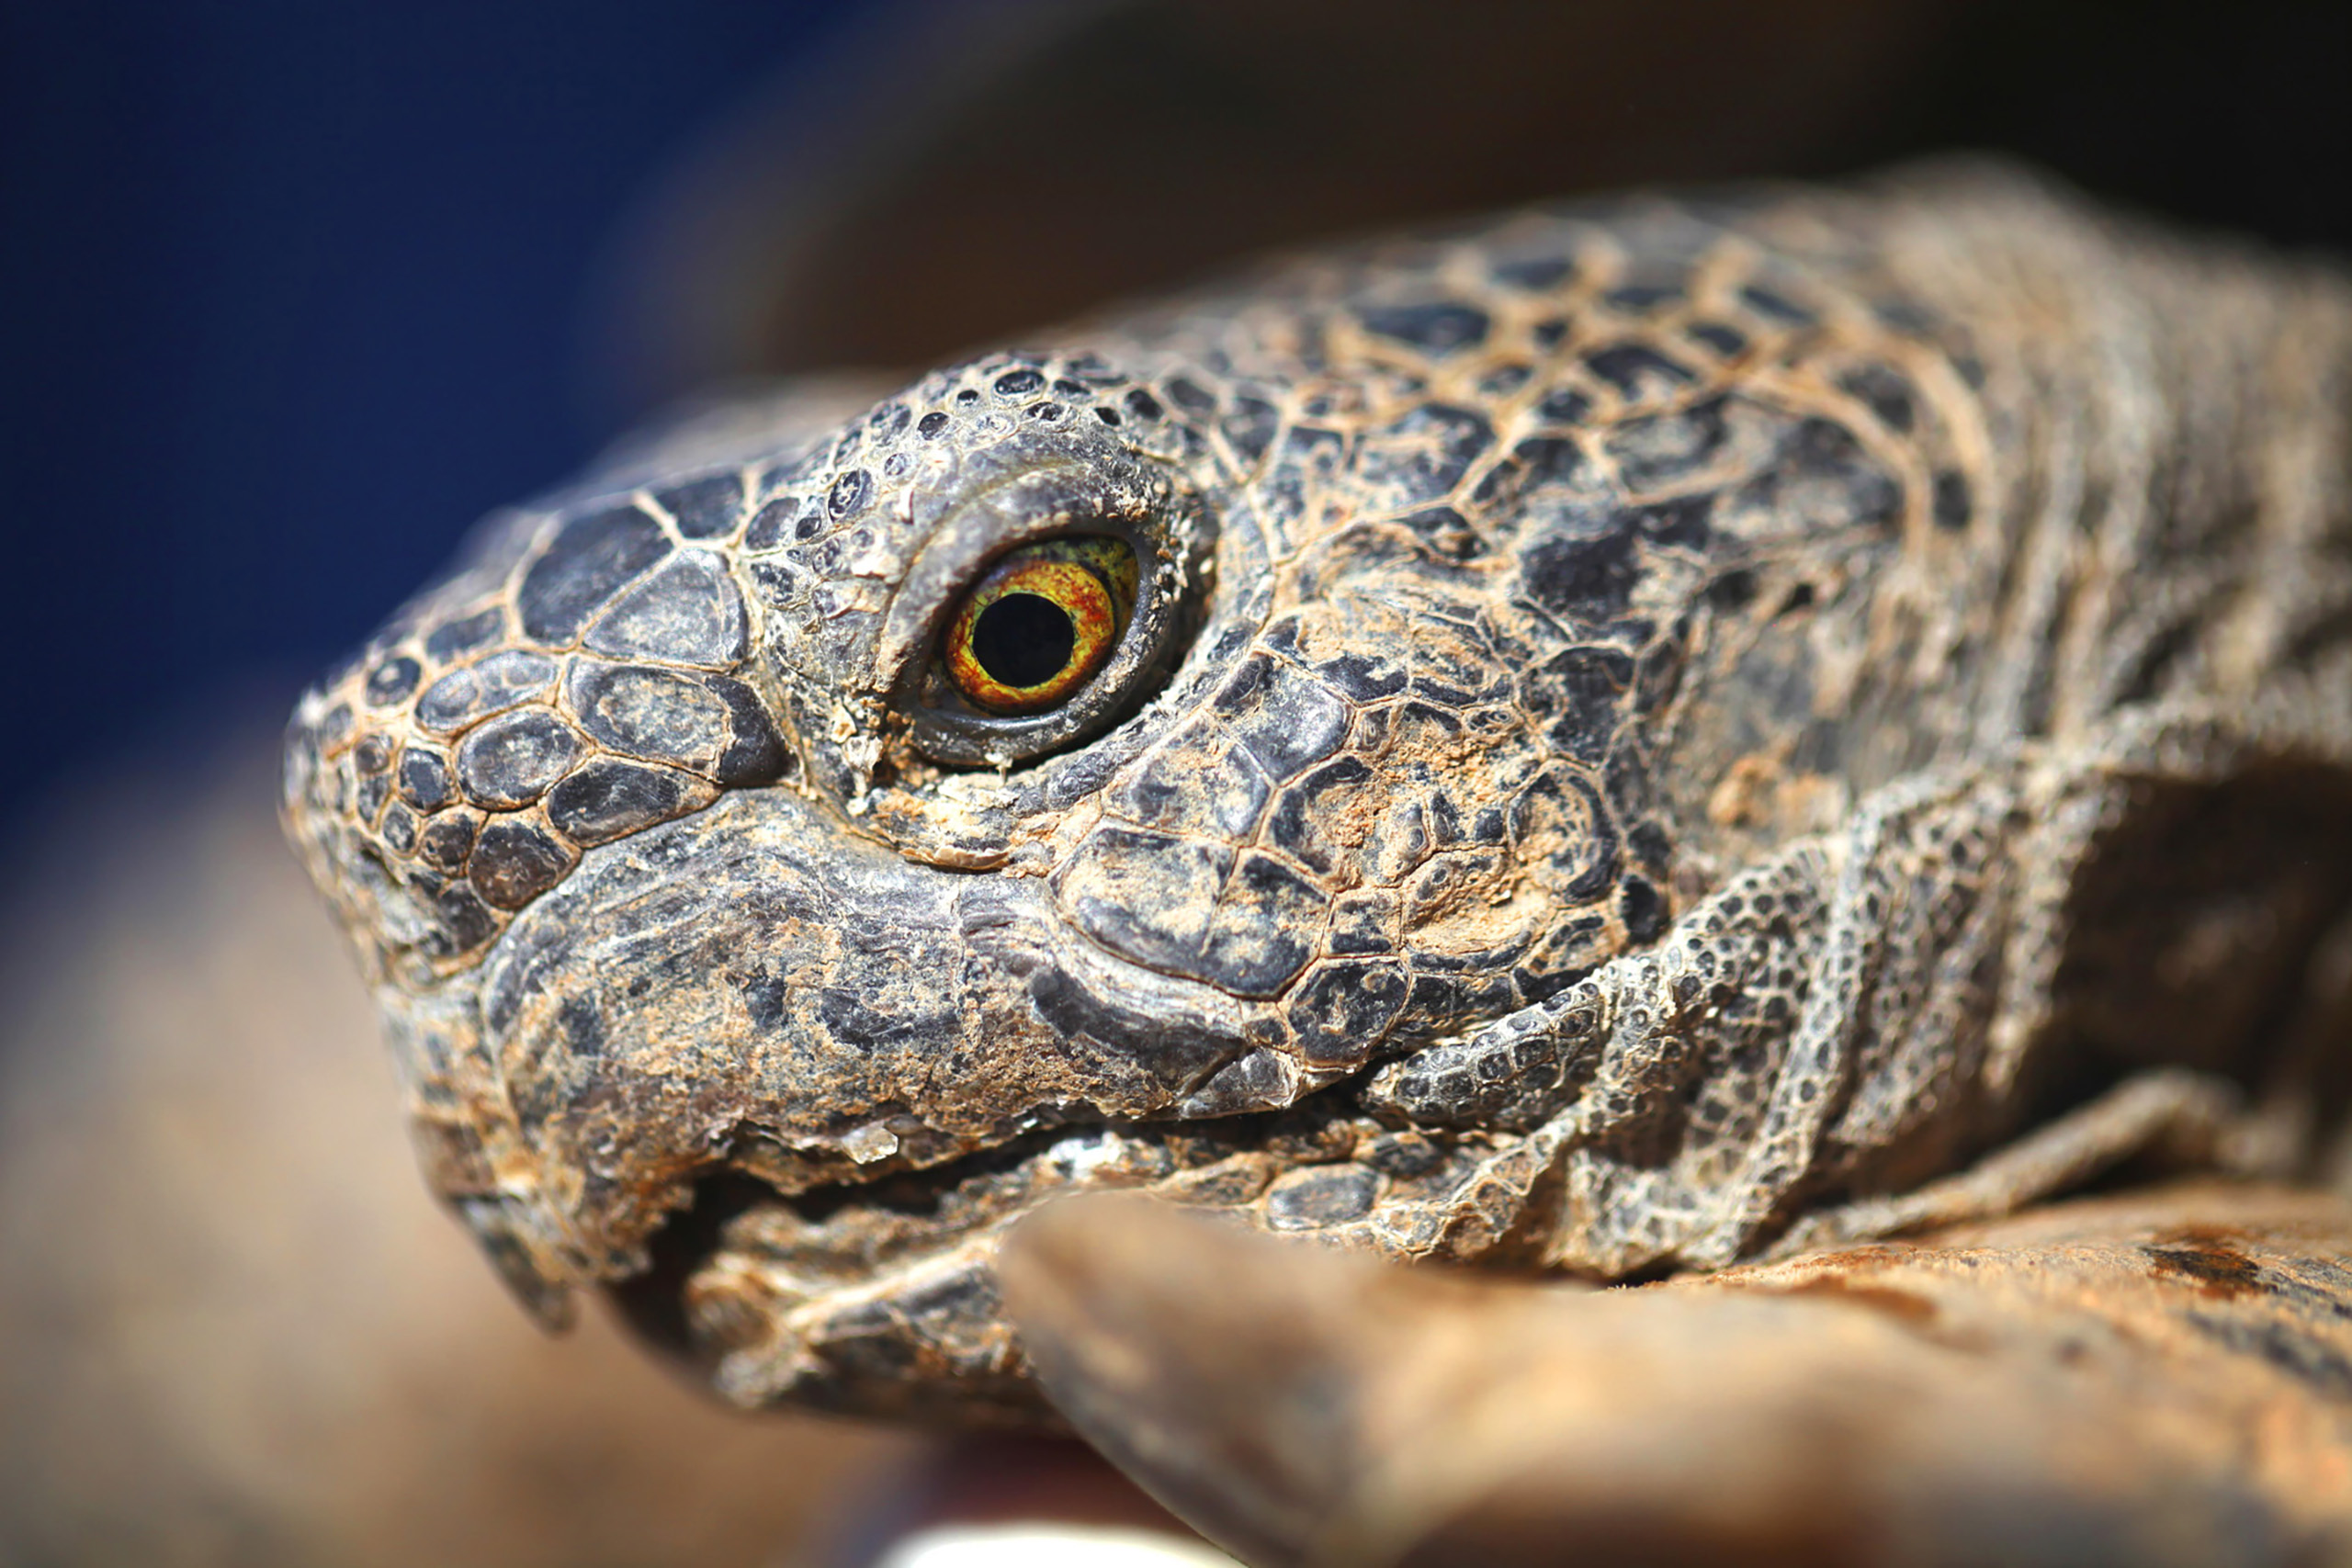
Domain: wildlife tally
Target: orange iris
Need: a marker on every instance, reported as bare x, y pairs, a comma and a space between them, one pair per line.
1044, 617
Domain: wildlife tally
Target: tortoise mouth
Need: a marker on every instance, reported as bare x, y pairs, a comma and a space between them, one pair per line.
877, 1296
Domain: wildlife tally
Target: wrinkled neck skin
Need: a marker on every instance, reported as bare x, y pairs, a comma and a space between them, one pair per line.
1503, 593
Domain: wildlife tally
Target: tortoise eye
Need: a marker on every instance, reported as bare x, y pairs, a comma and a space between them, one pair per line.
1029, 634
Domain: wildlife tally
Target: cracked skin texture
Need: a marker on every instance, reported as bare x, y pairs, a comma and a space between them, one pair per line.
1654, 731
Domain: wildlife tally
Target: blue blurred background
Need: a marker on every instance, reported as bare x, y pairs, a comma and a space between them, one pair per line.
289, 294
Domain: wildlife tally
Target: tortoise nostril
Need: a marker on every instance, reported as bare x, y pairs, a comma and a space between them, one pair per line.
1023, 640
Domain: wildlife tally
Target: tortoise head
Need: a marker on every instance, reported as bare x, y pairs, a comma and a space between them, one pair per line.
1076, 770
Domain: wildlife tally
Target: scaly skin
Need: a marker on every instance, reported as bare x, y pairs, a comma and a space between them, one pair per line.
1653, 731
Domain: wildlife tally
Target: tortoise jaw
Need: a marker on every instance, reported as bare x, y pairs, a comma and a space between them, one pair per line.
873, 1295
878, 1297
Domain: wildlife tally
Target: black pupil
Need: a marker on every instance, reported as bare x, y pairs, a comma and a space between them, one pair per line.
1023, 640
